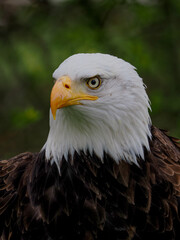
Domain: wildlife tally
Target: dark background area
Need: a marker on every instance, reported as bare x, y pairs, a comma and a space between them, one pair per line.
36, 36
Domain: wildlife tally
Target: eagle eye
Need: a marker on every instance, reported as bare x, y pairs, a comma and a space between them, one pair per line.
94, 82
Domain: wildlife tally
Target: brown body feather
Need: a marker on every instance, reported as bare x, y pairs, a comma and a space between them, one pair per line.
90, 199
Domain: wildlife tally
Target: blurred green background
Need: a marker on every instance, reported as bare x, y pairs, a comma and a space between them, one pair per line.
35, 36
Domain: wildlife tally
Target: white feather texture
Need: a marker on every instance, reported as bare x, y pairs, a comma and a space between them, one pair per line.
117, 123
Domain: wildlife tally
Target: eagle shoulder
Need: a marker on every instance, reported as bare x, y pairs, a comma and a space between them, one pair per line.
15, 206
165, 157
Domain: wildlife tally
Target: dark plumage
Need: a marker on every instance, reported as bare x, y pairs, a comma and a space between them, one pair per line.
91, 199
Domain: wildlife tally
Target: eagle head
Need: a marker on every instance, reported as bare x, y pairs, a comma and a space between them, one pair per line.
98, 105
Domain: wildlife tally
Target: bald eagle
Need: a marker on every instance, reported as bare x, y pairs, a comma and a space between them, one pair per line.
105, 172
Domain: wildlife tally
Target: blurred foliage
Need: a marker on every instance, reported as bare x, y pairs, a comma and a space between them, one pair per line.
20, 119
37, 35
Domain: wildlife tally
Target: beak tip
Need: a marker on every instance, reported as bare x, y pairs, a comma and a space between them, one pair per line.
54, 114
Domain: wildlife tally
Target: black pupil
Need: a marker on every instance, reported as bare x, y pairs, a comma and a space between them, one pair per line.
93, 82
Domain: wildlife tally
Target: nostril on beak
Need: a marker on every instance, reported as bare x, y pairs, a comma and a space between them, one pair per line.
66, 86
65, 81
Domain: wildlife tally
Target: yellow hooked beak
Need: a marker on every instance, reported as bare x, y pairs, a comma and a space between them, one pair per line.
64, 93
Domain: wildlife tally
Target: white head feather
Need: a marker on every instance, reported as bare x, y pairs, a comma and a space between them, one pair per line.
117, 123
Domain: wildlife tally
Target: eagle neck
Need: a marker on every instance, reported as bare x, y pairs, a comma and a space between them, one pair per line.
76, 130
